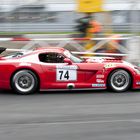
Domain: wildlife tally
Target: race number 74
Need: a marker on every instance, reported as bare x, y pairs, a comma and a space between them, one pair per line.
66, 74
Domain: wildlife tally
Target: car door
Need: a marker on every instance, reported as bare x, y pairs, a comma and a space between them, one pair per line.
58, 74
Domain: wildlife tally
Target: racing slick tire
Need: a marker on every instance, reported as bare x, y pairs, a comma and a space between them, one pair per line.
119, 80
24, 82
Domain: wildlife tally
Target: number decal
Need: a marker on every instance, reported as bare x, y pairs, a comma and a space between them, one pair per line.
61, 73
66, 73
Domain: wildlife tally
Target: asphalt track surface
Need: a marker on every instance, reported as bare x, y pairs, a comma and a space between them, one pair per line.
77, 115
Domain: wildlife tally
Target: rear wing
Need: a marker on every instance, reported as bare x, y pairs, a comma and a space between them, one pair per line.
90, 54
2, 49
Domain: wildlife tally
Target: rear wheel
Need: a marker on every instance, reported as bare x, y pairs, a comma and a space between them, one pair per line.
24, 82
119, 81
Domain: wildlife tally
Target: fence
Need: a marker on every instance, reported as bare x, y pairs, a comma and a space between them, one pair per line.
131, 50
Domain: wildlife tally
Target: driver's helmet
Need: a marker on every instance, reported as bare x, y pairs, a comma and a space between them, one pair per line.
60, 58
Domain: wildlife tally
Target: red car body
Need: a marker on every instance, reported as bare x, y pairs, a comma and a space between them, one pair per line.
91, 73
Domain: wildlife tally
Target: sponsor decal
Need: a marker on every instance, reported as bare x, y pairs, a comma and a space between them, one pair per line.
98, 85
24, 64
109, 65
99, 80
100, 76
138, 83
72, 67
99, 60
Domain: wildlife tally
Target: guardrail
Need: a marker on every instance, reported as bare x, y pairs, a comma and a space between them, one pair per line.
45, 27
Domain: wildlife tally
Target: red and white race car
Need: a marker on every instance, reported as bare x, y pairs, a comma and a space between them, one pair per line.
58, 69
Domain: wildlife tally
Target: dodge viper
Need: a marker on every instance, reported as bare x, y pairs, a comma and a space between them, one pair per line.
53, 68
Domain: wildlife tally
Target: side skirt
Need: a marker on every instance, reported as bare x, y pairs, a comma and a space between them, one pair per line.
72, 89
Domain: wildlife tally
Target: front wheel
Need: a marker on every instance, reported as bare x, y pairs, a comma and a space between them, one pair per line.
24, 82
119, 81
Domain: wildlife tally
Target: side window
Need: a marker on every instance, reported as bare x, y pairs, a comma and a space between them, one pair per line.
51, 58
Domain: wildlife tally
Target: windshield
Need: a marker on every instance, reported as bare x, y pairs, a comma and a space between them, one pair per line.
73, 57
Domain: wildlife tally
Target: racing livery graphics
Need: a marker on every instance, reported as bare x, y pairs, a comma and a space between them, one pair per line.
53, 68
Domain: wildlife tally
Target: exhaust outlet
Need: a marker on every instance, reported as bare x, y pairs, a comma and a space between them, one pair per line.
70, 86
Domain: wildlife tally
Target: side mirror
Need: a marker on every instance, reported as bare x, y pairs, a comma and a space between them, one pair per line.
66, 60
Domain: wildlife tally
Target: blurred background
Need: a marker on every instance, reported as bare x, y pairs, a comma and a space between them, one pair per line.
60, 16
53, 19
